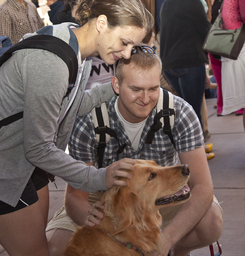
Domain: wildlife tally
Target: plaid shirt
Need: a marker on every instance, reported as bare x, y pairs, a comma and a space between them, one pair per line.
187, 134
16, 20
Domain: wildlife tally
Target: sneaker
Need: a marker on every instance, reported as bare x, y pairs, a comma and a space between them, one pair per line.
210, 155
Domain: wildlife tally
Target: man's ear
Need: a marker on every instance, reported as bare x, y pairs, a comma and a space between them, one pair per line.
115, 84
101, 23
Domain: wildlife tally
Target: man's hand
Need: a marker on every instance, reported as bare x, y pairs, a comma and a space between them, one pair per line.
94, 214
119, 169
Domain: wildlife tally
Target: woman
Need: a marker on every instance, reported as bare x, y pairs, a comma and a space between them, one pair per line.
36, 81
233, 81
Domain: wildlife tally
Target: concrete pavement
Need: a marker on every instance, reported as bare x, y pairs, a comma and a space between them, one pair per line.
228, 173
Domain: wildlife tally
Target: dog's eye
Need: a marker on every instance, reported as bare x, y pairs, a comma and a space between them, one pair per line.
152, 176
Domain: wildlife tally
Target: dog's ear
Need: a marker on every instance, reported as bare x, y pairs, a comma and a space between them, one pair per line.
126, 213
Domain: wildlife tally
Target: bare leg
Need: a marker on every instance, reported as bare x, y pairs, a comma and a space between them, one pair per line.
24, 230
206, 232
43, 195
57, 241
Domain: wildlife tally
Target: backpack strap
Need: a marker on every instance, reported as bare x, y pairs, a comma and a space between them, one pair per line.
10, 119
103, 132
49, 43
164, 117
101, 119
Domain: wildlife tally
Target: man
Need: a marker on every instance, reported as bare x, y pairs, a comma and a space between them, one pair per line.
198, 222
18, 17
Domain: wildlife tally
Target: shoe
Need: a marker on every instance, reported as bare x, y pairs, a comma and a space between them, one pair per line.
208, 147
215, 106
210, 155
219, 114
239, 112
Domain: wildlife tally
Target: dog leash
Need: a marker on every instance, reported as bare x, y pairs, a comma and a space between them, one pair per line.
211, 248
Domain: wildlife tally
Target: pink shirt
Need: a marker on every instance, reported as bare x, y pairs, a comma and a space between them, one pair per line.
233, 13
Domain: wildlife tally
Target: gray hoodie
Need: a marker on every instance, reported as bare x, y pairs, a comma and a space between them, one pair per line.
35, 81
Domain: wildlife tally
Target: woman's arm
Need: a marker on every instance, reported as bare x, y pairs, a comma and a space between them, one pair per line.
94, 97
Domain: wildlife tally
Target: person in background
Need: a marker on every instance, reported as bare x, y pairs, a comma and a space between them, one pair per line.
36, 3
35, 81
215, 61
18, 17
67, 13
154, 7
183, 29
55, 8
233, 71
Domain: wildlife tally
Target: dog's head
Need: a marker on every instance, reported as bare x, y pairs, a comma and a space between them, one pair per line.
150, 188
159, 186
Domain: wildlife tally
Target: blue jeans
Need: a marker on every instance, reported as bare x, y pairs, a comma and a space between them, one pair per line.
189, 84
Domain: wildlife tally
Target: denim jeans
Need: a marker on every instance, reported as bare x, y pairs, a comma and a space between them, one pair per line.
189, 84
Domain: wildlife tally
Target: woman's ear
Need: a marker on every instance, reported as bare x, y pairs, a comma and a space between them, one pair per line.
115, 84
101, 23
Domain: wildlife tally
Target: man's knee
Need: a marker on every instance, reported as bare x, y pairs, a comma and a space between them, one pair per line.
216, 222
210, 227
206, 232
57, 241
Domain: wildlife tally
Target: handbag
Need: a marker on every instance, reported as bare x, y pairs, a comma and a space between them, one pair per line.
226, 43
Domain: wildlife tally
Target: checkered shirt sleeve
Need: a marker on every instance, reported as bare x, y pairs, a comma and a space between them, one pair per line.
187, 129
83, 144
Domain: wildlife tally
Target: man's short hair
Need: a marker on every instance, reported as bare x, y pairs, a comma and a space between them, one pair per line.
140, 60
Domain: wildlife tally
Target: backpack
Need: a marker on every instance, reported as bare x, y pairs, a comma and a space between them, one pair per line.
5, 43
44, 42
163, 119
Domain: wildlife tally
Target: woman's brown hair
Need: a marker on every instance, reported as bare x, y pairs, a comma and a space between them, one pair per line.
118, 13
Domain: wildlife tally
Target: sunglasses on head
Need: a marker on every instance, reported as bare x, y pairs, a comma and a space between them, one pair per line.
142, 48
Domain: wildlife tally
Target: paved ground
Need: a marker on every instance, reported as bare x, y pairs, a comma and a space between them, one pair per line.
228, 172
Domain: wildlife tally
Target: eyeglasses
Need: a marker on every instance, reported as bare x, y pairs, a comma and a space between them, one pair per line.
142, 48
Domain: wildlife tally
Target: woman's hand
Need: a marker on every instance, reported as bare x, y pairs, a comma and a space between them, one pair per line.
117, 169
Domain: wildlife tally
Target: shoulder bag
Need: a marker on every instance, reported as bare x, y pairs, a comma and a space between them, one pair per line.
226, 43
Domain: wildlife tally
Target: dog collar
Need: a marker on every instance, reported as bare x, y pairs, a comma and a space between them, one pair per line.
133, 247
129, 245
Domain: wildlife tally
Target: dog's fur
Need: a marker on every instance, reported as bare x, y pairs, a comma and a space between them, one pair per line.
131, 213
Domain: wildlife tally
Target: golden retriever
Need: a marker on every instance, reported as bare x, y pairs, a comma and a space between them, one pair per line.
131, 222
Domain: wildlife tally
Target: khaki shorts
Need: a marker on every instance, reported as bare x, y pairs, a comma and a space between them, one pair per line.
62, 221
168, 213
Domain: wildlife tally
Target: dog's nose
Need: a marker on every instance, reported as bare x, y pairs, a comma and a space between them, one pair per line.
185, 170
